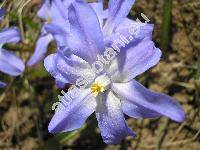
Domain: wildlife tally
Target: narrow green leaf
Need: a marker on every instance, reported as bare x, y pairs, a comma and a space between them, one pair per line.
197, 93
198, 66
165, 28
59, 139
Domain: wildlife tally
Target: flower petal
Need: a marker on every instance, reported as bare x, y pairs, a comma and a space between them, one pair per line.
2, 84
10, 35
133, 110
74, 112
100, 1
62, 8
10, 64
60, 84
105, 14
45, 10
135, 29
129, 32
134, 60
98, 8
82, 40
74, 68
2, 13
41, 49
135, 93
118, 10
50, 65
111, 120
58, 32
59, 10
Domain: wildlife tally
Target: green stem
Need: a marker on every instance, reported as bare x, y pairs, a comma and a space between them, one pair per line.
198, 66
197, 93
165, 28
163, 132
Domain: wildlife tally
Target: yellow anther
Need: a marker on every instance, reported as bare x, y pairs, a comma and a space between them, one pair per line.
49, 19
96, 88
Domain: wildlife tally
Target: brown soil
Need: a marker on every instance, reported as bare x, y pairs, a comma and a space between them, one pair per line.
25, 104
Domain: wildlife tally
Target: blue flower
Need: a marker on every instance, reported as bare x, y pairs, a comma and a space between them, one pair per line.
2, 84
50, 13
112, 92
2, 13
9, 63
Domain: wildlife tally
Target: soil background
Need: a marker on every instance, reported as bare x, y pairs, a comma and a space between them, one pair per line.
25, 105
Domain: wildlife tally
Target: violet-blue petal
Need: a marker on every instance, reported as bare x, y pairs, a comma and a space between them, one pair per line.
61, 7
73, 68
45, 10
74, 112
111, 120
137, 111
82, 40
50, 63
132, 28
132, 33
58, 15
2, 13
105, 14
101, 1
59, 34
10, 64
59, 11
98, 8
160, 103
10, 35
118, 10
41, 49
136, 60
60, 84
2, 84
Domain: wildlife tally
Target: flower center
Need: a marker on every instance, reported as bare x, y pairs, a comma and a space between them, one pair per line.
49, 19
96, 88
100, 85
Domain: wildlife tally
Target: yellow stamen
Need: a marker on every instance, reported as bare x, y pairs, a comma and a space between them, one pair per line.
49, 19
96, 88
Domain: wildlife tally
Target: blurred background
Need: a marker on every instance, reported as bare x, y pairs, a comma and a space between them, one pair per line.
25, 104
